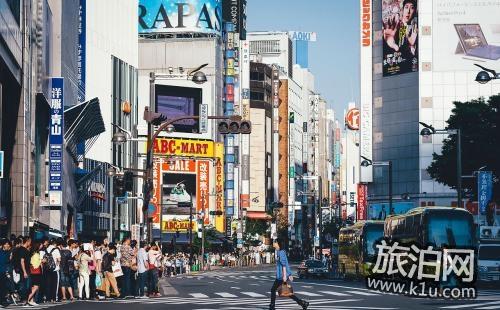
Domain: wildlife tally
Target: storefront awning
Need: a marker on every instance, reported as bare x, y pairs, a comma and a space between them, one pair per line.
83, 122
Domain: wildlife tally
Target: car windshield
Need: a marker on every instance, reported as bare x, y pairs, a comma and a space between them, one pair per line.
489, 252
314, 264
453, 230
372, 234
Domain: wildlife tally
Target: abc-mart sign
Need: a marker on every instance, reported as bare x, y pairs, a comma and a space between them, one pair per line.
180, 16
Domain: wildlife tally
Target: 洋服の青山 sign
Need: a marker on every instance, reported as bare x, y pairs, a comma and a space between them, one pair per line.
176, 16
184, 147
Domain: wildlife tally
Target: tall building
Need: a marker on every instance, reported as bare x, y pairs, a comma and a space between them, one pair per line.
188, 162
416, 79
261, 142
107, 63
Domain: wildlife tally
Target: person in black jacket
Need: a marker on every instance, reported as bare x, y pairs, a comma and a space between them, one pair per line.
108, 260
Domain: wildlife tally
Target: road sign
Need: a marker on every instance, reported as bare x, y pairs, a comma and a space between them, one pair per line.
203, 118
1, 164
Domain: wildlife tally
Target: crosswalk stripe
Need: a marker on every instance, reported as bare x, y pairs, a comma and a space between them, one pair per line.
470, 305
488, 308
307, 293
334, 293
226, 295
362, 293
198, 295
252, 294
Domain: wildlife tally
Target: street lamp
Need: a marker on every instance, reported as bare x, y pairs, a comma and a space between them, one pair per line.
368, 162
486, 75
430, 130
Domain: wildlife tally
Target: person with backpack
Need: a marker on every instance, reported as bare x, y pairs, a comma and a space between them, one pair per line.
52, 266
283, 275
66, 269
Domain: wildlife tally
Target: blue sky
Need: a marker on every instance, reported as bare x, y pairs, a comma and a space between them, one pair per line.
334, 58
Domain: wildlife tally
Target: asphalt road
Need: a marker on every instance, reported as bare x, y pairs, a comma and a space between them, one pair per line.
234, 289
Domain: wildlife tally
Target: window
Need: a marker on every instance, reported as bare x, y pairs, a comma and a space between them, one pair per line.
15, 8
265, 47
256, 95
256, 76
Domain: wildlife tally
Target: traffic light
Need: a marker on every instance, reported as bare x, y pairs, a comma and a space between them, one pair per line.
128, 179
119, 186
218, 213
147, 188
234, 127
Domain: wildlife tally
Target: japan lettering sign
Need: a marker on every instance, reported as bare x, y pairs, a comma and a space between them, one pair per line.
56, 138
484, 189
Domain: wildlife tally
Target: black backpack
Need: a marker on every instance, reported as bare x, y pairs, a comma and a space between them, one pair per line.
51, 263
67, 261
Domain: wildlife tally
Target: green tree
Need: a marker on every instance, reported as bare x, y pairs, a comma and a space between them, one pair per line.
479, 122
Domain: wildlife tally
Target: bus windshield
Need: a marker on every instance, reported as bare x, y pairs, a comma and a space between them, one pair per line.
452, 230
489, 252
372, 234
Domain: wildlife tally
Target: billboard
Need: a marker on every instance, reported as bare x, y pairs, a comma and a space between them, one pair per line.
176, 16
466, 33
380, 211
302, 36
484, 189
366, 65
176, 101
177, 184
400, 36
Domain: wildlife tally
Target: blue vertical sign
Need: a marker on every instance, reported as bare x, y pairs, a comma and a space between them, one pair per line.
56, 138
484, 189
1, 164
82, 42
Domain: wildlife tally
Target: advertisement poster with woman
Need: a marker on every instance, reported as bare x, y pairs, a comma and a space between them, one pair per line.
400, 36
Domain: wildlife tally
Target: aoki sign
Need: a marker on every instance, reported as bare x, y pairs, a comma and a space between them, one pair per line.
180, 16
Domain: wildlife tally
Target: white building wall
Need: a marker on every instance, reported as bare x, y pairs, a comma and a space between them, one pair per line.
447, 76
111, 31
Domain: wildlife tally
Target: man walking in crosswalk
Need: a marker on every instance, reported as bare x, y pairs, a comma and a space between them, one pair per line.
283, 274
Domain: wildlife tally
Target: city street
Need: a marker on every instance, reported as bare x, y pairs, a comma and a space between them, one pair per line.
249, 289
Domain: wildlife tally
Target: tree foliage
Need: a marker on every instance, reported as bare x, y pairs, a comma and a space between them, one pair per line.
479, 122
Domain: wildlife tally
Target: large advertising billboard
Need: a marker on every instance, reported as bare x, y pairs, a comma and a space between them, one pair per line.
178, 184
183, 147
400, 36
175, 101
176, 16
465, 33
56, 141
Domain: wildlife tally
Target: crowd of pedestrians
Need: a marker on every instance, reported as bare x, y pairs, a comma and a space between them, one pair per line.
62, 270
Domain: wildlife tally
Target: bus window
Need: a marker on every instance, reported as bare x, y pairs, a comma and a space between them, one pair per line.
450, 230
372, 235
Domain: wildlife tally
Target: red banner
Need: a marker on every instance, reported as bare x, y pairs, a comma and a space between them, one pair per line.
362, 202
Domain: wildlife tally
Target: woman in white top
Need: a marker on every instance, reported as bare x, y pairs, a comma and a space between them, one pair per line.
84, 274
